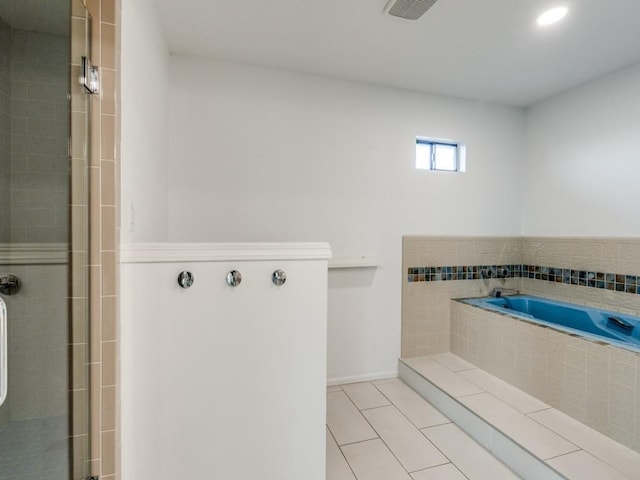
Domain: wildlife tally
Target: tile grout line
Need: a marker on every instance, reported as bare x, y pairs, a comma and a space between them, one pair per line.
341, 452
419, 429
594, 455
380, 436
423, 379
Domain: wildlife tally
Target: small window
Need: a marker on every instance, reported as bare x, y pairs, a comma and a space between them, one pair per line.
439, 155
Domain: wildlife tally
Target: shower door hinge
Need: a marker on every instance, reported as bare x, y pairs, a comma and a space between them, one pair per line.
90, 78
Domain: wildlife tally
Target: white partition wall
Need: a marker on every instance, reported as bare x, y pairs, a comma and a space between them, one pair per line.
219, 381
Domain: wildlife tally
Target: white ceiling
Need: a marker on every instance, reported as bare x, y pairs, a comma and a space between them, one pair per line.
487, 50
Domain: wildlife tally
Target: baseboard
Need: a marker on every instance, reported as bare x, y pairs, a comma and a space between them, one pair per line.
361, 378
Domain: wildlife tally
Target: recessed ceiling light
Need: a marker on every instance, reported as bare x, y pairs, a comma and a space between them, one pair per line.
552, 16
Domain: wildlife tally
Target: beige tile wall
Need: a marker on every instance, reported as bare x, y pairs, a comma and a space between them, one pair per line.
596, 384
104, 240
609, 255
425, 305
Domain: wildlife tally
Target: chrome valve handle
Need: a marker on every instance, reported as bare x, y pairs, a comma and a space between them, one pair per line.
10, 284
279, 277
234, 278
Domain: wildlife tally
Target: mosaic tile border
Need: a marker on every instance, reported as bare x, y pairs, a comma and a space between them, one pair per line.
586, 278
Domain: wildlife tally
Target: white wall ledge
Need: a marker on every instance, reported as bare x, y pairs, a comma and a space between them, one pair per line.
368, 261
215, 252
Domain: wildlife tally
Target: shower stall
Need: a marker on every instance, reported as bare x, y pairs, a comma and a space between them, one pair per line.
44, 328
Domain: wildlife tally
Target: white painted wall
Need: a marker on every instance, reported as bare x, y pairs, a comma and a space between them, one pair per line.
145, 79
221, 382
267, 155
581, 172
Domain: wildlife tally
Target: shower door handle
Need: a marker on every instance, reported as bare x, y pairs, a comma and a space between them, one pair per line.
4, 371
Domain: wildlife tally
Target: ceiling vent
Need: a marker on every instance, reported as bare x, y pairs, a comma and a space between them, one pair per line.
409, 9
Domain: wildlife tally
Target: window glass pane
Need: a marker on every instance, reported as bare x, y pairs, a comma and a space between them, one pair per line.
423, 156
445, 157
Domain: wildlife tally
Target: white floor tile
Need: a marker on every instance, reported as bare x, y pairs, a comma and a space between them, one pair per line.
337, 466
445, 379
334, 388
407, 443
600, 446
470, 458
364, 395
372, 460
452, 362
539, 440
582, 466
382, 381
443, 472
345, 421
509, 394
420, 412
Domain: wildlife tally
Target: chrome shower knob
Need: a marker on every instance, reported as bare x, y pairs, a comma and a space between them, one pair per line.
185, 279
234, 278
279, 277
10, 284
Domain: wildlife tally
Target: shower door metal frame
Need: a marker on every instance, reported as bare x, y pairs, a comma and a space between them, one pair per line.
79, 311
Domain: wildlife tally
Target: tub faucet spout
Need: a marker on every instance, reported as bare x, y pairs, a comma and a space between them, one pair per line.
501, 292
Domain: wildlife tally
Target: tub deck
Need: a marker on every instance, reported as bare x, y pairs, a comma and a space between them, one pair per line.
535, 440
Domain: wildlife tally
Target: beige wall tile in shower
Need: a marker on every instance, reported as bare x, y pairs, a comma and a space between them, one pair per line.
108, 452
108, 12
109, 273
77, 8
93, 6
108, 135
107, 51
108, 408
108, 228
108, 87
108, 182
109, 365
109, 310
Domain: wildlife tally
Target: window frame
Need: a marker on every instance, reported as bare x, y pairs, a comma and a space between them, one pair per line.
433, 143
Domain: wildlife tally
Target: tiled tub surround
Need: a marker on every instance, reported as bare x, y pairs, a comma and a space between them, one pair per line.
597, 384
597, 272
425, 305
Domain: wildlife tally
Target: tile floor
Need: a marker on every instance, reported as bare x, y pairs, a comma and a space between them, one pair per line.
570, 447
383, 430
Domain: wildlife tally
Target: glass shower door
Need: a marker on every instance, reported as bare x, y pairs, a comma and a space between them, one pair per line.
43, 418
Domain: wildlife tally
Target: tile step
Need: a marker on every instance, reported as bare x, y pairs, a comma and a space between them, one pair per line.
511, 424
